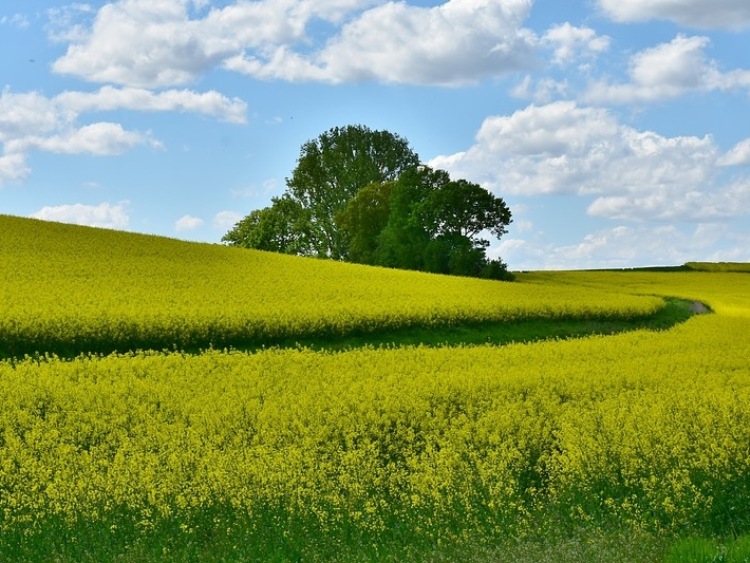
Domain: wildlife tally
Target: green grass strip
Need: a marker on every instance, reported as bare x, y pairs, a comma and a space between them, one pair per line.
532, 330
487, 333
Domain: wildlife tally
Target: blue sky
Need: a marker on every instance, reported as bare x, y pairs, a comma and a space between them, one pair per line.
618, 131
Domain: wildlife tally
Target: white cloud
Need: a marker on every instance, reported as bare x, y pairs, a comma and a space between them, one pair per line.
64, 21
627, 247
561, 148
571, 42
13, 168
458, 42
31, 121
167, 51
693, 203
28, 114
108, 98
225, 220
523, 226
739, 155
104, 215
188, 223
173, 48
537, 150
667, 71
729, 14
98, 139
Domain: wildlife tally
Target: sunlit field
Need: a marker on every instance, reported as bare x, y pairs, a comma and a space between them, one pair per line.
73, 289
112, 447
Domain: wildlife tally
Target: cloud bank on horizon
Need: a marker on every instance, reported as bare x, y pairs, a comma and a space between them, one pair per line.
616, 130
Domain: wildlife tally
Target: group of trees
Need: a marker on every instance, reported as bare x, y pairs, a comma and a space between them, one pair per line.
362, 196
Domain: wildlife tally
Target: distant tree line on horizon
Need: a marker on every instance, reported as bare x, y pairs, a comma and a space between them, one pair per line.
362, 196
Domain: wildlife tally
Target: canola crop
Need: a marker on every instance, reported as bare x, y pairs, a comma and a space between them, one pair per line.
643, 430
72, 289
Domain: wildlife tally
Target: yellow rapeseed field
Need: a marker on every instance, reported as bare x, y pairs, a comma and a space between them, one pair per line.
82, 289
643, 430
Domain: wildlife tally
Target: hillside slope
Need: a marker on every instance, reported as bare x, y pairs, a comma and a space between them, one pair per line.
73, 288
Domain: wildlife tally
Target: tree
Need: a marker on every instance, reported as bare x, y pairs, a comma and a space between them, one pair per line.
426, 221
363, 218
333, 168
362, 196
282, 227
402, 242
460, 208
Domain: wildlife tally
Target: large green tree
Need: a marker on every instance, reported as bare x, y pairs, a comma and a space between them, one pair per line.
402, 242
461, 208
363, 218
426, 221
362, 196
333, 168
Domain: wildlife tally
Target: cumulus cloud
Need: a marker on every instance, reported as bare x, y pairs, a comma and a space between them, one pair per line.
99, 139
627, 247
188, 223
457, 42
31, 121
739, 155
561, 148
728, 14
173, 47
139, 43
570, 42
541, 91
688, 205
667, 71
109, 98
28, 114
13, 168
107, 215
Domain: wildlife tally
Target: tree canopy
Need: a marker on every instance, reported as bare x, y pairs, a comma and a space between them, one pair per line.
333, 168
425, 221
362, 196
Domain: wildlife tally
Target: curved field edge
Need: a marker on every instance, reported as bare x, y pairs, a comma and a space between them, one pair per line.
68, 289
674, 311
305, 454
441, 332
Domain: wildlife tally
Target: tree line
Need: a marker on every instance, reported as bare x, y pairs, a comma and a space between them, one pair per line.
359, 195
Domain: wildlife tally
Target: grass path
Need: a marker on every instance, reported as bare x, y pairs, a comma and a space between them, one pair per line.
532, 330
495, 333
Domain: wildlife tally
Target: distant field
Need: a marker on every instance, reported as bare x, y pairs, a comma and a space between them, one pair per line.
588, 449
719, 266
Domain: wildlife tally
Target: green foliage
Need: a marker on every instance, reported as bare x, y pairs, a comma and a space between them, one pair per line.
363, 219
333, 168
460, 208
738, 550
283, 227
426, 221
705, 550
693, 550
361, 196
